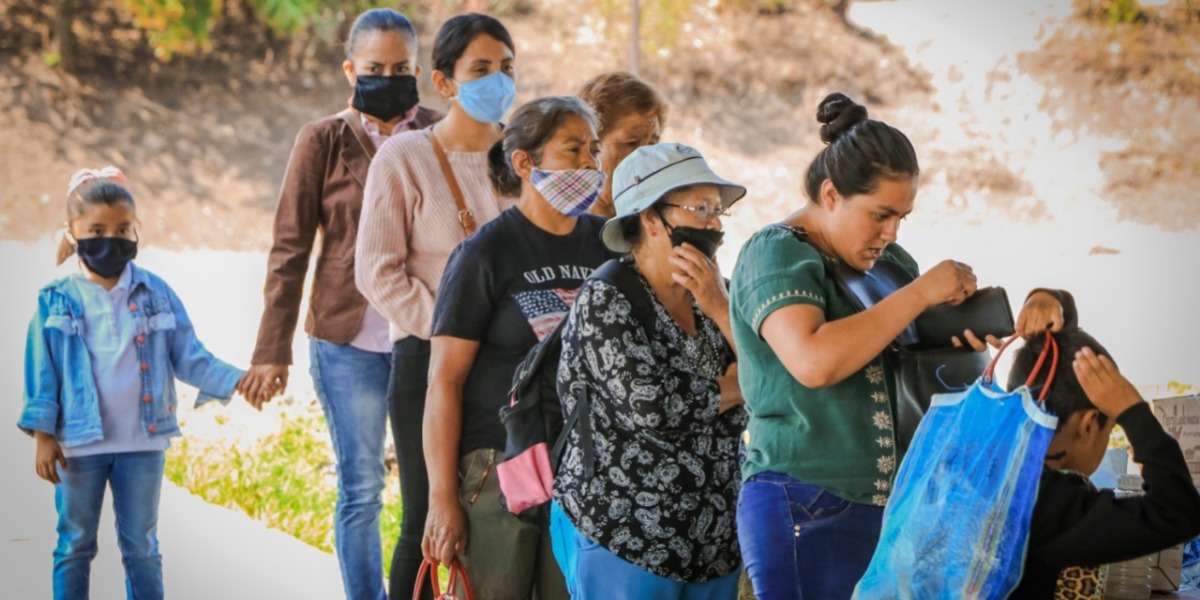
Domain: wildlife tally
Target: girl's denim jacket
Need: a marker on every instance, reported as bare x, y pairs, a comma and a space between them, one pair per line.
61, 397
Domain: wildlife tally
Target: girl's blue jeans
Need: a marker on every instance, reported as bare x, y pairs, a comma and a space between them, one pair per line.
136, 481
801, 542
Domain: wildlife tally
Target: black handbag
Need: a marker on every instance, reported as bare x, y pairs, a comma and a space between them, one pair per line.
922, 359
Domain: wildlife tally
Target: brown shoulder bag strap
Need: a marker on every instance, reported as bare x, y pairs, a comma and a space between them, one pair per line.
353, 121
465, 217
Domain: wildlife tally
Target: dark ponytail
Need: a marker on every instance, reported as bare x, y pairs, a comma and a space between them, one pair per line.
859, 151
500, 171
533, 125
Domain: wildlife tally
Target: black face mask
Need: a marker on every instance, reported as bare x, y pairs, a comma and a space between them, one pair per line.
705, 240
106, 256
385, 97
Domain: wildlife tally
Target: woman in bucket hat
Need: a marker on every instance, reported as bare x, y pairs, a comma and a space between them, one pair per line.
656, 520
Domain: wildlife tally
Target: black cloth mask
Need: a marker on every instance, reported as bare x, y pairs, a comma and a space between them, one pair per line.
385, 97
705, 240
106, 256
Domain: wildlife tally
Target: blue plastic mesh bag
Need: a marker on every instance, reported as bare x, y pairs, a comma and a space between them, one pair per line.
957, 523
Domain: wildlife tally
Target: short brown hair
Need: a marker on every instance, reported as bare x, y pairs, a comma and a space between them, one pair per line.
616, 94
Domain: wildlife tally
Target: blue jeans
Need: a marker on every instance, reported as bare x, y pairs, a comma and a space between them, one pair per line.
831, 539
594, 573
351, 385
136, 480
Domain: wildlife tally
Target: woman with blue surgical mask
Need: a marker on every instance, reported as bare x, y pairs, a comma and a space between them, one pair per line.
504, 290
426, 191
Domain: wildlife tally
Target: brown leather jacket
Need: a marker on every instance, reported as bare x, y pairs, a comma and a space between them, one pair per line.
322, 190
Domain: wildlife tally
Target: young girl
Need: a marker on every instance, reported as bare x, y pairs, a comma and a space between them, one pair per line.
101, 358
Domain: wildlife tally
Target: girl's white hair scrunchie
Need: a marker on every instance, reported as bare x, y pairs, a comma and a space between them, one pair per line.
84, 175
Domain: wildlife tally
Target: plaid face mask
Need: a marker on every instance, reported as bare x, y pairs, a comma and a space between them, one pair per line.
572, 191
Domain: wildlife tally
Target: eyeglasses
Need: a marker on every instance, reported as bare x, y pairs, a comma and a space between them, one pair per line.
703, 212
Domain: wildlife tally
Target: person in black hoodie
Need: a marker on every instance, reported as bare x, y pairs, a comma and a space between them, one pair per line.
1075, 527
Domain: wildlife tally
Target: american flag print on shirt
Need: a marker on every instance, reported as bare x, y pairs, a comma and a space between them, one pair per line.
545, 309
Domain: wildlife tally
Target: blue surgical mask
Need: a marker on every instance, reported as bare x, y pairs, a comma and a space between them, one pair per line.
488, 98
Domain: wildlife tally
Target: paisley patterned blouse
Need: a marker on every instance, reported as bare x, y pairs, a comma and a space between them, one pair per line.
665, 461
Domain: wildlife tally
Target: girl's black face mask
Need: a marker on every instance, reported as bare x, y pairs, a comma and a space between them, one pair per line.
385, 97
106, 256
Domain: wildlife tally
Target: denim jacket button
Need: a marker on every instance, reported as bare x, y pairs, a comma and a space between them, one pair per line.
133, 306
152, 429
146, 399
141, 339
145, 366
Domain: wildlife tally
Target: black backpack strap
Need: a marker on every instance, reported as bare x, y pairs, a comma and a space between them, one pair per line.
620, 275
582, 407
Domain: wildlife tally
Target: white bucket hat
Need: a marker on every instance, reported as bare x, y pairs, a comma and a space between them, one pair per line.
648, 174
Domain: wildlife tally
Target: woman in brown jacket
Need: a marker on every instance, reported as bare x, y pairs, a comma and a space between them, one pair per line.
349, 347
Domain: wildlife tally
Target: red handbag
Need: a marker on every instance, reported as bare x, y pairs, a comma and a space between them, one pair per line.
429, 570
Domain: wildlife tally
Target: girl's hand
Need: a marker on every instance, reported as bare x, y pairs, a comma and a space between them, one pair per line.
1042, 311
49, 455
700, 275
445, 531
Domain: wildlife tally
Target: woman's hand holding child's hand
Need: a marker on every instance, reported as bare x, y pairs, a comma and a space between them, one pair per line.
261, 383
1103, 384
49, 455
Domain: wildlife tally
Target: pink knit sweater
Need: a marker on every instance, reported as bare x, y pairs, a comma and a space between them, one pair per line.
409, 226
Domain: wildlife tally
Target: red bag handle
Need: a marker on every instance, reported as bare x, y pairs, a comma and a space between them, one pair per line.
1050, 347
429, 571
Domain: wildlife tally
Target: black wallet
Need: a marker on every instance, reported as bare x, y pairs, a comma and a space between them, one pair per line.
985, 313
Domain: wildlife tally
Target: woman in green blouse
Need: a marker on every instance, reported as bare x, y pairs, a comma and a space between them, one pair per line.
821, 455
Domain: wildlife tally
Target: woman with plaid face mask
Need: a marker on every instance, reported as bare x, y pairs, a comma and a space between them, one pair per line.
504, 289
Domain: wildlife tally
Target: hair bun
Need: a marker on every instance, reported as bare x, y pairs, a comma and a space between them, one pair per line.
839, 114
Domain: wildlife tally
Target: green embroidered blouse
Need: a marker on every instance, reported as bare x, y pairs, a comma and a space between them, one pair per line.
839, 437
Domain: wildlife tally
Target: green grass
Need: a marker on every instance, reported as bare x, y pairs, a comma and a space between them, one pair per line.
285, 480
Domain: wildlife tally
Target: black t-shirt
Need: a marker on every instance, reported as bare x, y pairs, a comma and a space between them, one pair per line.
507, 287
1076, 525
